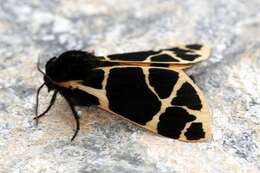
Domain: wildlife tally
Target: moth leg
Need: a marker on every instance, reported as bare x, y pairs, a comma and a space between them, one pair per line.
76, 116
36, 118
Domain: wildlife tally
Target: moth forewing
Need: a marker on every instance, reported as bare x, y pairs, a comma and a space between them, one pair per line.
198, 121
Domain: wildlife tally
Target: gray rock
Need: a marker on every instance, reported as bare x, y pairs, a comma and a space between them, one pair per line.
230, 80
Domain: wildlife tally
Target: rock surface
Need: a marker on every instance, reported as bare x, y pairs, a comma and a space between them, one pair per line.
230, 80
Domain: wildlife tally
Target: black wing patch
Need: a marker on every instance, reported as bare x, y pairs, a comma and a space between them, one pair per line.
173, 121
194, 46
187, 96
162, 81
134, 56
185, 54
163, 58
195, 131
129, 95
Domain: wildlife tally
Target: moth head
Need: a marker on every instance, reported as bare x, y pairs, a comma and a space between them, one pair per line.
70, 65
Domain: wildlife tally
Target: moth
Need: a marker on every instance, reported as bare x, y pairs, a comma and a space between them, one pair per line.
148, 88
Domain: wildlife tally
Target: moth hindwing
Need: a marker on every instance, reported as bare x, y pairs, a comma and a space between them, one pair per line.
179, 57
163, 100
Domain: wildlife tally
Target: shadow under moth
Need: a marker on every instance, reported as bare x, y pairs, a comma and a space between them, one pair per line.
148, 88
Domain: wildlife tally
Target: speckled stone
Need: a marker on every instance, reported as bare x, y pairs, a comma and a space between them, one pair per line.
230, 80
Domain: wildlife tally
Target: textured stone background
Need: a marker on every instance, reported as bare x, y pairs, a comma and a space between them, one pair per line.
230, 80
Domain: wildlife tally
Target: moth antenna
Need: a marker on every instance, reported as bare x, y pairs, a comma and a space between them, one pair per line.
53, 98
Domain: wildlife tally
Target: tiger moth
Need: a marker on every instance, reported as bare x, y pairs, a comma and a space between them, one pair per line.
148, 88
